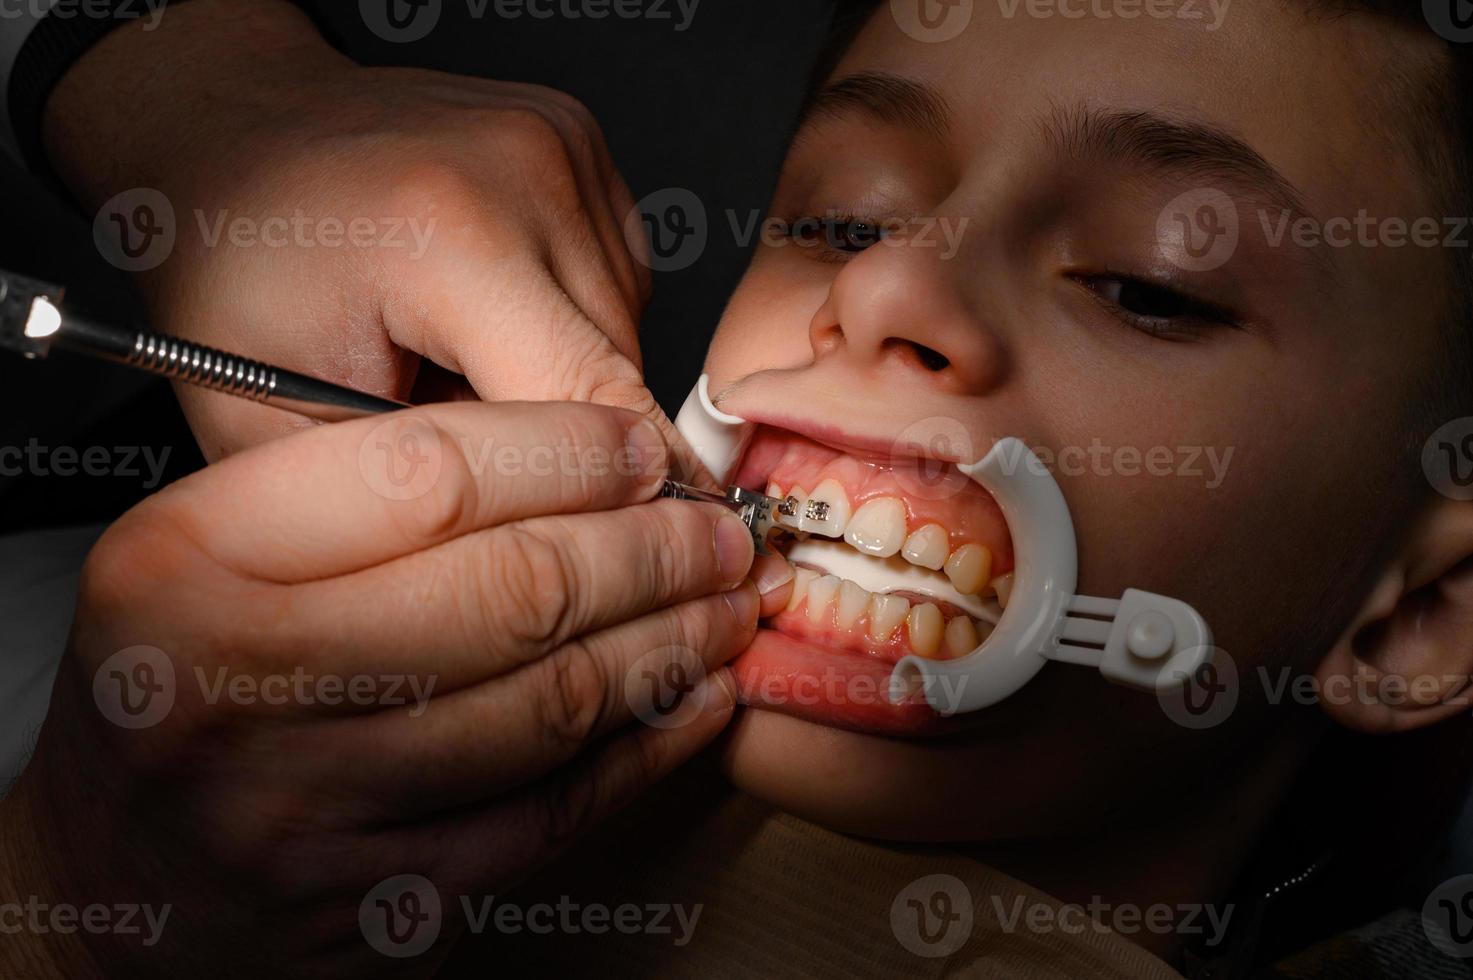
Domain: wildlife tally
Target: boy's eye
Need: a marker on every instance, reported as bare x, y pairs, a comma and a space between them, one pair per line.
1155, 308
846, 235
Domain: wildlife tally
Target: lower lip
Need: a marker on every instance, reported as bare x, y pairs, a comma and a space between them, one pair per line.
829, 686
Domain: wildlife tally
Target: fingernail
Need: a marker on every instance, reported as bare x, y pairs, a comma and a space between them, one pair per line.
771, 574
648, 454
744, 602
734, 548
720, 691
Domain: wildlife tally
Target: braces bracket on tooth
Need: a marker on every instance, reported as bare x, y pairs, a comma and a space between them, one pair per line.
1142, 640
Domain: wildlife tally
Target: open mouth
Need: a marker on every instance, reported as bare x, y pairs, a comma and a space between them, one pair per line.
896, 557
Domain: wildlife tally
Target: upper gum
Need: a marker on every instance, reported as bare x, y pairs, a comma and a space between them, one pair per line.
968, 516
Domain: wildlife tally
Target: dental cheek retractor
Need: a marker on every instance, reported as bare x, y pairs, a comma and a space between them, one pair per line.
1141, 640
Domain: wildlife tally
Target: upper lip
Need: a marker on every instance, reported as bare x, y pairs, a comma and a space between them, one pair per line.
869, 447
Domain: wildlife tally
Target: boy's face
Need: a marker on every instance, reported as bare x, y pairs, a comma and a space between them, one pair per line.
1227, 418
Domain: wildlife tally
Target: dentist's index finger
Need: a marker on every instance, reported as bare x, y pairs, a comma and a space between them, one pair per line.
336, 499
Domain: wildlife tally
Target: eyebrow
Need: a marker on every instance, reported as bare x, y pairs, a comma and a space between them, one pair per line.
888, 98
1176, 147
1143, 138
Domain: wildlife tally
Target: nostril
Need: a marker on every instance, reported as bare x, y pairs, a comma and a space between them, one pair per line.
931, 360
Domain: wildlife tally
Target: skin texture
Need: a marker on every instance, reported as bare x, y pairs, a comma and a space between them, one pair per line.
508, 599
1322, 529
521, 214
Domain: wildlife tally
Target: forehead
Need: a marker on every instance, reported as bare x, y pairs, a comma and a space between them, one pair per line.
1310, 95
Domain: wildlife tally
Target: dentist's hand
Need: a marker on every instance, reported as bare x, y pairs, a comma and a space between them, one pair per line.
441, 643
490, 247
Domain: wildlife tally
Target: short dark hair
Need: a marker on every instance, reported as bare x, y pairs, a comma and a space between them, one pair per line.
1438, 99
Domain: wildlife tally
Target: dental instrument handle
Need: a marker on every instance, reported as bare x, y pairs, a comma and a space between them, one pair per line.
32, 323
217, 370
759, 512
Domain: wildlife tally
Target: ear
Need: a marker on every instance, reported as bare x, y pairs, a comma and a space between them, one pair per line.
1406, 659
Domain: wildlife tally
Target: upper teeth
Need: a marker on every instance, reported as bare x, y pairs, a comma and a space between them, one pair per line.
826, 512
878, 528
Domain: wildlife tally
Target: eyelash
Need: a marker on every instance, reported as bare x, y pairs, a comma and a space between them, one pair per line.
815, 225
1195, 316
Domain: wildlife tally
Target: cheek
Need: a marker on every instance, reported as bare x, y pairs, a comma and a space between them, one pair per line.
765, 326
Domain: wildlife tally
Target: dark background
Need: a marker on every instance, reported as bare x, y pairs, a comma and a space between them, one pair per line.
708, 109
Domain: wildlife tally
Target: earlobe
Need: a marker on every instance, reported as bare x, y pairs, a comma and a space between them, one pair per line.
1406, 660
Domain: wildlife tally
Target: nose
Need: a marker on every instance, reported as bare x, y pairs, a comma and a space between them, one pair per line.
903, 310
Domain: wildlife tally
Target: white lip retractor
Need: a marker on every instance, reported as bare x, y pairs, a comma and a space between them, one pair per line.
1141, 640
